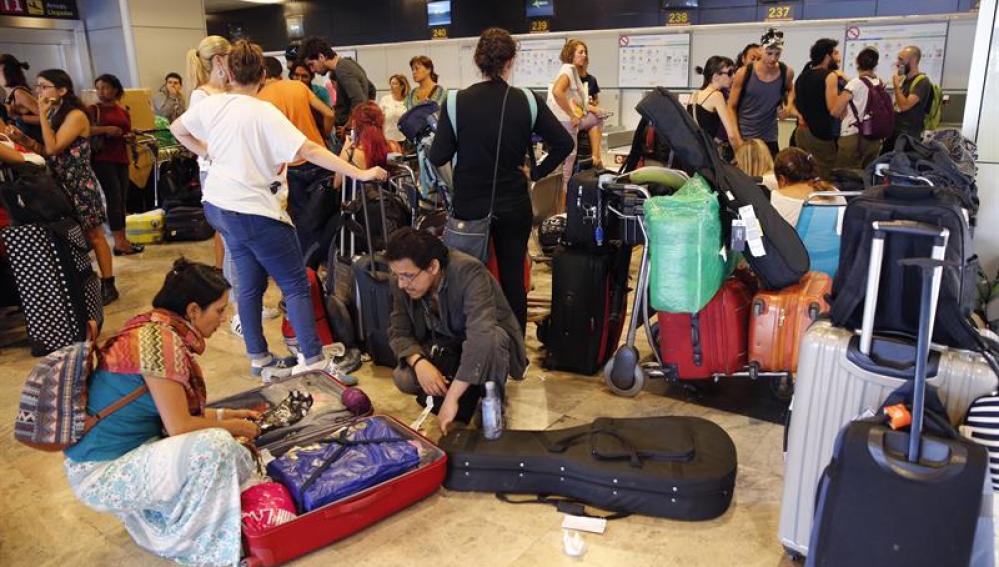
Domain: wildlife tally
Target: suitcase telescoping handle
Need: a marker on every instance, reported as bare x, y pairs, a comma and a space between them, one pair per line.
909, 229
931, 272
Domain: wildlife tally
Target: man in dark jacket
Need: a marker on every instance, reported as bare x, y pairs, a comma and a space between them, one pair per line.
352, 84
451, 327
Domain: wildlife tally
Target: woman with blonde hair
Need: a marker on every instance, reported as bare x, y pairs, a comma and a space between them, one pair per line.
393, 106
250, 143
568, 99
753, 157
207, 71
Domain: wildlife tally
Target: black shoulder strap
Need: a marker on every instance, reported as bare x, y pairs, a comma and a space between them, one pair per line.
564, 505
745, 83
783, 82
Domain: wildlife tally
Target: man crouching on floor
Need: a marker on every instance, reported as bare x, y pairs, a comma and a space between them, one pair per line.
451, 326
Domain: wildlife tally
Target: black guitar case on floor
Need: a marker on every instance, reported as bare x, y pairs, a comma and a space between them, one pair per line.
784, 260
682, 468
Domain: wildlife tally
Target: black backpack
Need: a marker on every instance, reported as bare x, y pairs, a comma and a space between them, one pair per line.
784, 260
180, 183
901, 286
930, 160
397, 215
34, 195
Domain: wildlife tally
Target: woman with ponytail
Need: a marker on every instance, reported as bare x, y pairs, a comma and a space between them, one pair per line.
66, 147
709, 107
250, 144
797, 177
206, 70
168, 467
368, 146
20, 104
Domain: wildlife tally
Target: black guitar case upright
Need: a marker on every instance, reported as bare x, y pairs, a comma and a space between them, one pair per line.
670, 467
784, 259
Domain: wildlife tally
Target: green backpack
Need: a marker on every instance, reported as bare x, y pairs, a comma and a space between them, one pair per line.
935, 109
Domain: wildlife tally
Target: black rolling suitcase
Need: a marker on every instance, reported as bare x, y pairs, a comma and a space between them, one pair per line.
589, 300
586, 214
186, 224
671, 467
894, 498
372, 292
58, 288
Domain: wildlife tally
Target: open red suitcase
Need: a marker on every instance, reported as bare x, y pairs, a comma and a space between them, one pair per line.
710, 342
343, 518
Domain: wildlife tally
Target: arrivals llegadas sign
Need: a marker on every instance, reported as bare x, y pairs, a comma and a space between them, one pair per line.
40, 8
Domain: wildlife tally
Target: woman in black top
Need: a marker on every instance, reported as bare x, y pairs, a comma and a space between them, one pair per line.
709, 108
478, 109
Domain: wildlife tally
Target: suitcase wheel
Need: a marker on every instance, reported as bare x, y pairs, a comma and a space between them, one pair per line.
782, 386
759, 307
619, 382
754, 367
814, 311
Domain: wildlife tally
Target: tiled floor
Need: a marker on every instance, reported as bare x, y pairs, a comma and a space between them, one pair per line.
41, 523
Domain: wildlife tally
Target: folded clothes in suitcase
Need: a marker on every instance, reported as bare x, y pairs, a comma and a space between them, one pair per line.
672, 467
350, 513
352, 460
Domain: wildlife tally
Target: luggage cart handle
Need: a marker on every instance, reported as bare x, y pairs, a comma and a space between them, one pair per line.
940, 237
830, 194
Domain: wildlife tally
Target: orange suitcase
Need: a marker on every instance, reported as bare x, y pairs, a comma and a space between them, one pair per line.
779, 319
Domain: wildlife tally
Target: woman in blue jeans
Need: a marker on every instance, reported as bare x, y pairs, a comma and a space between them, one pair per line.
249, 144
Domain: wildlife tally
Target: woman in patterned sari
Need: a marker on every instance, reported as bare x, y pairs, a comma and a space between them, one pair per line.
167, 467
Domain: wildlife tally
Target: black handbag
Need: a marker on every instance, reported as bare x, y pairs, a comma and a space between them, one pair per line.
472, 236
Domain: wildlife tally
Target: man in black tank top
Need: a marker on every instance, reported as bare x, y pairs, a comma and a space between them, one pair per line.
816, 91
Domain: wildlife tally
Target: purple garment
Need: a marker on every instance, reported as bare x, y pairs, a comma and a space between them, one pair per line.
357, 468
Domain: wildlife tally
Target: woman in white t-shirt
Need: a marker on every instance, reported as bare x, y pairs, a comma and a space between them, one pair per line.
249, 143
856, 151
393, 106
569, 101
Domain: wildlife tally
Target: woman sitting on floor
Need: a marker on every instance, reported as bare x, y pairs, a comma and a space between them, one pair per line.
178, 496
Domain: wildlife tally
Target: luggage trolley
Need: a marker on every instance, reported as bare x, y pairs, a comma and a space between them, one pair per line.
624, 373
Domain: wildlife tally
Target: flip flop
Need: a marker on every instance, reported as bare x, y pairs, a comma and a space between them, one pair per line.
135, 249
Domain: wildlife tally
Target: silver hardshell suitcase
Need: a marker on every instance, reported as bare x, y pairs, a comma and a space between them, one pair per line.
837, 383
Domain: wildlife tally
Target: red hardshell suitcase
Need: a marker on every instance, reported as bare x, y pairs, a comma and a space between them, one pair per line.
711, 342
343, 518
323, 329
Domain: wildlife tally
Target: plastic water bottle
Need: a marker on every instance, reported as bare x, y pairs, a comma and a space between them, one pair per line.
492, 413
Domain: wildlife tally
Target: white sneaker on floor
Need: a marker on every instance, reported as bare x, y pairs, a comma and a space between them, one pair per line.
327, 365
235, 326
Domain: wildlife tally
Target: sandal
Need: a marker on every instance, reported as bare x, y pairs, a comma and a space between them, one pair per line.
132, 249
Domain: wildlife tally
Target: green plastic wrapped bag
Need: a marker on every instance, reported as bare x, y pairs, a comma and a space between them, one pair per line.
685, 248
163, 136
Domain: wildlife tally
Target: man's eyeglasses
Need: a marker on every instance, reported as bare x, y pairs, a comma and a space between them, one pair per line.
408, 278
42, 87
